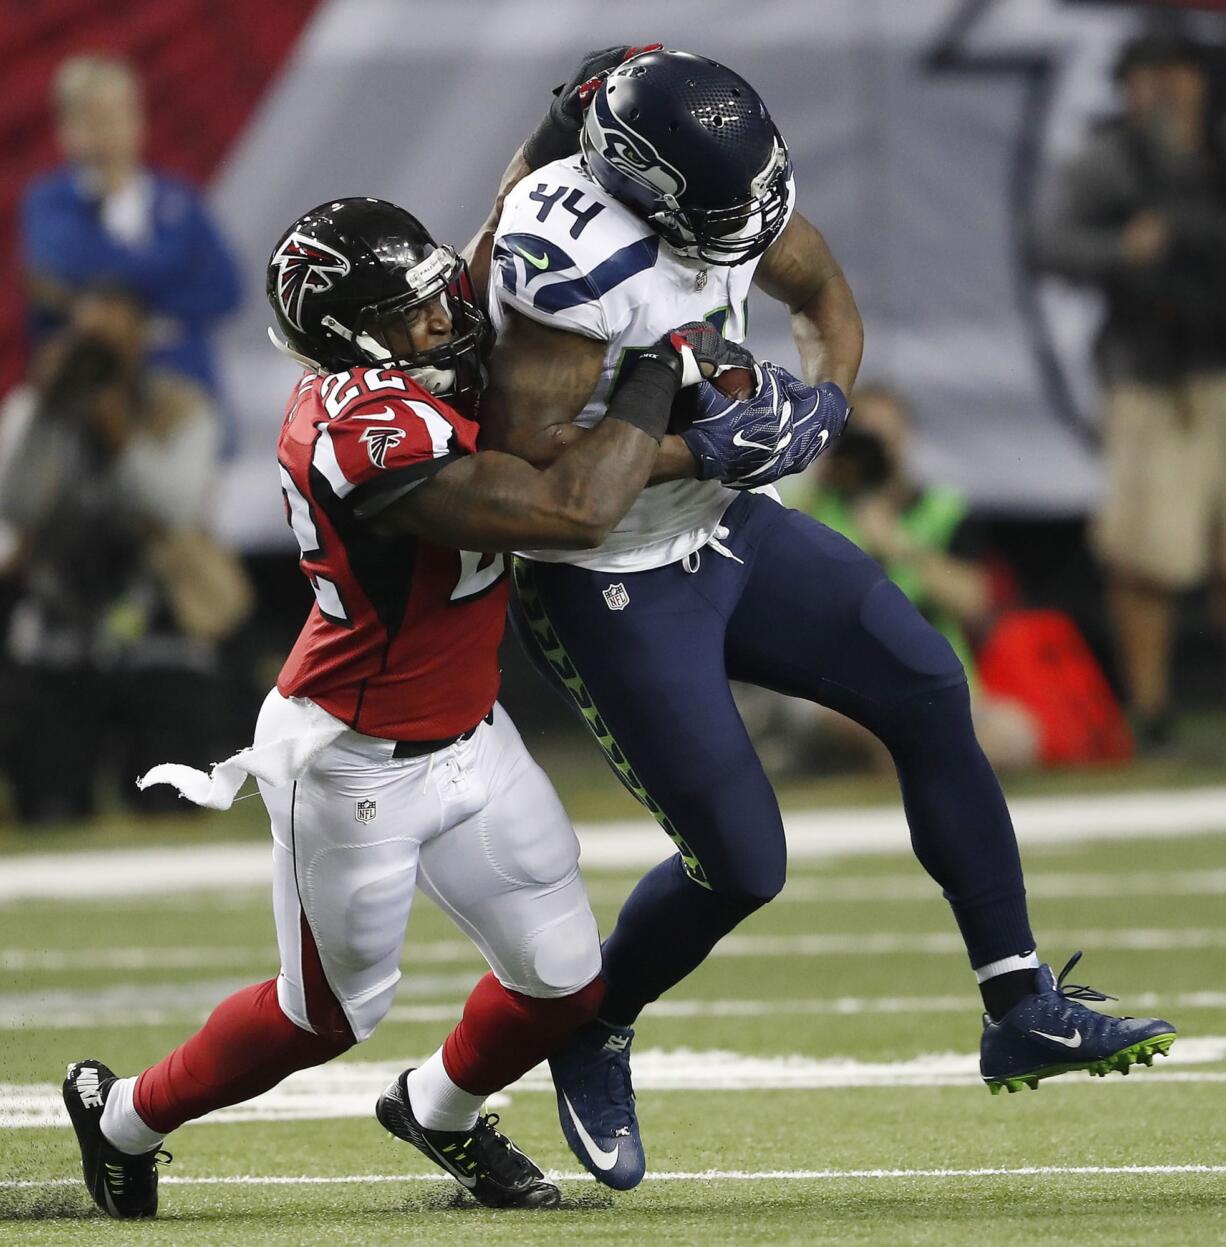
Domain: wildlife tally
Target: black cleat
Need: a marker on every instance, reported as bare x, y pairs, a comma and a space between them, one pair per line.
487, 1164
123, 1186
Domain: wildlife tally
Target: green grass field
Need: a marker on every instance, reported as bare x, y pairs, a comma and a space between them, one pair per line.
830, 1076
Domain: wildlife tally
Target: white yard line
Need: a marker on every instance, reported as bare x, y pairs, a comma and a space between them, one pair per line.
916, 886
872, 943
198, 957
125, 1007
631, 843
347, 1088
154, 1004
912, 885
460, 952
702, 1175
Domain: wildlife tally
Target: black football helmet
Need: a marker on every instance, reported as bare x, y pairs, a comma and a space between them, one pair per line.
349, 266
688, 145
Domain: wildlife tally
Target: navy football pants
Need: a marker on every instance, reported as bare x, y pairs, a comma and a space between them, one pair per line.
798, 609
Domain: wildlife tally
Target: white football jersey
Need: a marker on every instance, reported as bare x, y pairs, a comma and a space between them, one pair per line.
568, 254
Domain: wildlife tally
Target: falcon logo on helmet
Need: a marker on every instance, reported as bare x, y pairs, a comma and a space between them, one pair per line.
304, 266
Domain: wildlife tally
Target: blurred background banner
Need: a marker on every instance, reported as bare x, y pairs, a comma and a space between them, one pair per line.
151, 152
921, 134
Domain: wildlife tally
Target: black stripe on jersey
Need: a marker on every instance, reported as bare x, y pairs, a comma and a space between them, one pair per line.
372, 496
382, 566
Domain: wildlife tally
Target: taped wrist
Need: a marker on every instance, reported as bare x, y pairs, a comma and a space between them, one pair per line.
645, 397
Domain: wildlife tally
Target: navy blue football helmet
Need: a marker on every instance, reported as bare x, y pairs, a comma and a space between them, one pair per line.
688, 145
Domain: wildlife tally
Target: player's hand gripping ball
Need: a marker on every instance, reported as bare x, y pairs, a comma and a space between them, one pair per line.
779, 430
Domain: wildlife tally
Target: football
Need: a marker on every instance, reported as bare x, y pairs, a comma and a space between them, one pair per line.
735, 383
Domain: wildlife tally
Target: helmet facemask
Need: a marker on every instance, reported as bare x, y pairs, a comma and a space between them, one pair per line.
736, 234
452, 369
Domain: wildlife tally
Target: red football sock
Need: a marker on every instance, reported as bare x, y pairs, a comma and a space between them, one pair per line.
246, 1046
503, 1034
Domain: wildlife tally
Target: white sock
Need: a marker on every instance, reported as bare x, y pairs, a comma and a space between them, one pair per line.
1023, 961
122, 1124
437, 1102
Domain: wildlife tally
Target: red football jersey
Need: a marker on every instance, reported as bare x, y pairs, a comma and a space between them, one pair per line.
402, 641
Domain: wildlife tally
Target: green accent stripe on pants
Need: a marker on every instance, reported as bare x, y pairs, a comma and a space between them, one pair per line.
554, 652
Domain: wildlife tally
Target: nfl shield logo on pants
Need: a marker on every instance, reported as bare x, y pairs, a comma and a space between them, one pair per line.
616, 598
364, 811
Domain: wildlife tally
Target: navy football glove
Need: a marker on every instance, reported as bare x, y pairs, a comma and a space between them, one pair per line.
557, 135
778, 432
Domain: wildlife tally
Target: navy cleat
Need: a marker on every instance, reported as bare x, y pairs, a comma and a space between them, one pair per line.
1051, 1032
485, 1163
591, 1075
122, 1185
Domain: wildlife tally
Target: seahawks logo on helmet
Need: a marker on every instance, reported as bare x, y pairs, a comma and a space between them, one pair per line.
628, 152
304, 266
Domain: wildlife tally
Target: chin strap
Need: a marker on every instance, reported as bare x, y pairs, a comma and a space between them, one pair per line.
287, 350
435, 380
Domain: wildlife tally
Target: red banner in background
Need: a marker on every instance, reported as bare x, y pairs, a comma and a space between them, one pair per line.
203, 66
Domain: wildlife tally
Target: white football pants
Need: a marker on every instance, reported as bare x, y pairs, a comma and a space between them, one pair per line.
477, 826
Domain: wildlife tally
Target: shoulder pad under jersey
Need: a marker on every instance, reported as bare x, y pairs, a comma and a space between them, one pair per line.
566, 252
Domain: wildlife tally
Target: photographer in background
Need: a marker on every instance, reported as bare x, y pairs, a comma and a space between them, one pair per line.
105, 218
105, 474
1141, 216
930, 547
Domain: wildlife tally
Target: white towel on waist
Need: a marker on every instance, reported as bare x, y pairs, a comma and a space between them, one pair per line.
298, 733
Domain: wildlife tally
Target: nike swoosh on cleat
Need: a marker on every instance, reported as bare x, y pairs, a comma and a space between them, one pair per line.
599, 1157
461, 1178
537, 261
110, 1202
1069, 1041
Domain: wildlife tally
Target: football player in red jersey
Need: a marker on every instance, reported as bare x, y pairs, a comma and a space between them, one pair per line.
382, 756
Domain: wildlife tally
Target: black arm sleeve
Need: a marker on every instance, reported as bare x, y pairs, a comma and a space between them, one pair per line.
645, 397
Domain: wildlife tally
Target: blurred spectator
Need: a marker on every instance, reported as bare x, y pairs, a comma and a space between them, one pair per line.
104, 218
1141, 216
106, 474
929, 545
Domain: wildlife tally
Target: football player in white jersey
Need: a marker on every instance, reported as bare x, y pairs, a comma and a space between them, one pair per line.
678, 201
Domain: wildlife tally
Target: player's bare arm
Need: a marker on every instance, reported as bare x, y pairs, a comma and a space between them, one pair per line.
799, 270
496, 502
477, 251
540, 379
